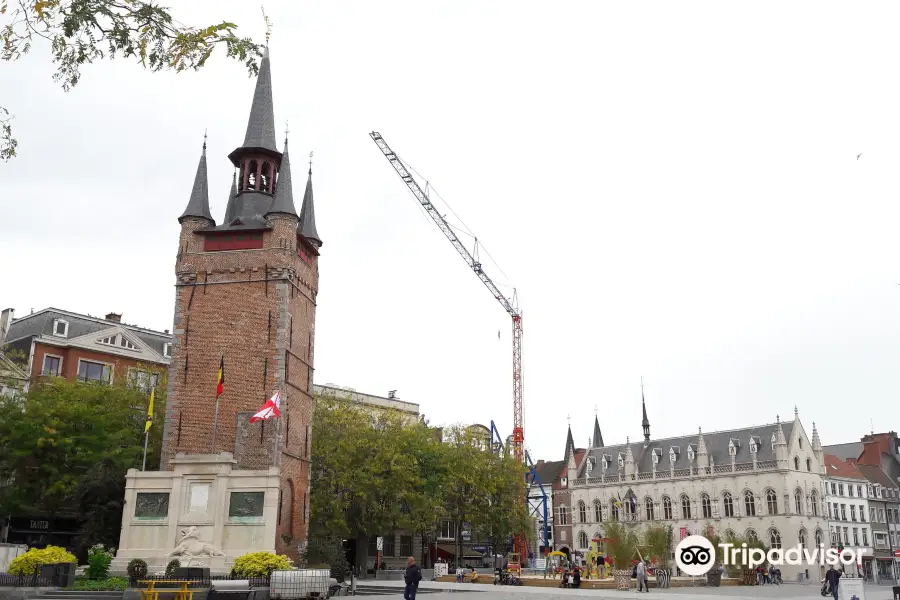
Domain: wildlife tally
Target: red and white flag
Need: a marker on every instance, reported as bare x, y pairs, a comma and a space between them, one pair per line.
269, 410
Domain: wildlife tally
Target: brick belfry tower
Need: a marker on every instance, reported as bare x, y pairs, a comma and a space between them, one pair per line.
246, 298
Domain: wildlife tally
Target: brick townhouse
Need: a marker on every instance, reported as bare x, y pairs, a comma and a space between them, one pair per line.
79, 347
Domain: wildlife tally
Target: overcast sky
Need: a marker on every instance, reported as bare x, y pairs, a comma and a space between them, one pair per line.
673, 188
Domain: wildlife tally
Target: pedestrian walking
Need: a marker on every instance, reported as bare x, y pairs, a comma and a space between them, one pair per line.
832, 577
412, 577
642, 577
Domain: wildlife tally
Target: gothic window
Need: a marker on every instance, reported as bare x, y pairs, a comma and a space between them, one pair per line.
621, 461
728, 503
265, 178
685, 507
775, 539
814, 503
706, 506
563, 516
583, 540
751, 536
796, 463
690, 453
798, 502
614, 509
772, 502
808, 465
667, 508
251, 177
582, 512
749, 504
802, 538
800, 442
773, 442
598, 511
648, 507
630, 507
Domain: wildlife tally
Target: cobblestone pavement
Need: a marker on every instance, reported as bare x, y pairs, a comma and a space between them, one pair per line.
484, 592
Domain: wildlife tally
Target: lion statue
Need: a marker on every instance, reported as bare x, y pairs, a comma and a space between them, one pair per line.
190, 546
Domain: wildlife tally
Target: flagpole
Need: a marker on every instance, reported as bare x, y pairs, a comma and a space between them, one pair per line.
219, 382
215, 425
146, 440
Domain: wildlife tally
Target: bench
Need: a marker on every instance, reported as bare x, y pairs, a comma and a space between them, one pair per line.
152, 593
237, 588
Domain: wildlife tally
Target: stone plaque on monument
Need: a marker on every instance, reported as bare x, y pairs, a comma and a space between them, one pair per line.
246, 506
151, 505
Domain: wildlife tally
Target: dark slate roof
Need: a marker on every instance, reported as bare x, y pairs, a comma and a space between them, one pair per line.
307, 225
716, 445
230, 207
41, 323
250, 208
597, 440
845, 451
549, 472
261, 125
284, 195
876, 474
198, 205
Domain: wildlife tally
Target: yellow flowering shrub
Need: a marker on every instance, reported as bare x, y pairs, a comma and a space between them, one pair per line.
25, 564
258, 564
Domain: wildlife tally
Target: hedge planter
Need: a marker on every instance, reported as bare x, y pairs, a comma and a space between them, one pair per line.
622, 577
714, 579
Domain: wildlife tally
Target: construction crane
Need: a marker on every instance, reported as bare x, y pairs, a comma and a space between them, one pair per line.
509, 305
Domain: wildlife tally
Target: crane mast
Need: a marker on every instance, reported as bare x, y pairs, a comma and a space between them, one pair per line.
509, 305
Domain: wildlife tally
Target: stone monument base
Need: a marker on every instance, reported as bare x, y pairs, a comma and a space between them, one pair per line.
204, 510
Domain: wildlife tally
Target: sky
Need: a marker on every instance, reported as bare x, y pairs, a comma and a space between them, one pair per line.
673, 189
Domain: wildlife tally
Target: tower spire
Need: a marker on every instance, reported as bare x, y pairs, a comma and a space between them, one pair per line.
198, 204
645, 422
307, 226
230, 207
598, 435
261, 124
570, 445
284, 195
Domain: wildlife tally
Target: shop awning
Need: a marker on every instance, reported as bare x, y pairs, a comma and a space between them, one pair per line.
451, 551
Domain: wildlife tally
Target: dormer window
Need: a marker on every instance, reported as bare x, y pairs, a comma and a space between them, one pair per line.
60, 328
563, 480
732, 448
672, 456
655, 456
621, 460
604, 463
690, 453
167, 349
752, 447
773, 442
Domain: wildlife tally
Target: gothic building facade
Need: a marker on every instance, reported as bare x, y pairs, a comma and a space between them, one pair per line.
245, 300
761, 481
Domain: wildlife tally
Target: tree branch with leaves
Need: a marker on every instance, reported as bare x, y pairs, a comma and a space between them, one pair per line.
79, 32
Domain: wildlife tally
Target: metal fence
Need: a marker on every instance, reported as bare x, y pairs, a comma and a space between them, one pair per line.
195, 582
34, 580
300, 583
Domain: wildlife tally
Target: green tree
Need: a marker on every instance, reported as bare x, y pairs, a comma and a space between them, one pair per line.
81, 31
67, 447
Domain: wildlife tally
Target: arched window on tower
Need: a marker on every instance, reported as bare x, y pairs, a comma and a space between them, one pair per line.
808, 465
241, 178
796, 463
264, 178
728, 503
583, 540
648, 506
685, 507
251, 176
814, 503
598, 511
582, 513
818, 537
775, 539
798, 502
706, 506
614, 509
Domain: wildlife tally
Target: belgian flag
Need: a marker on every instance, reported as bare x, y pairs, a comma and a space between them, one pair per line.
220, 384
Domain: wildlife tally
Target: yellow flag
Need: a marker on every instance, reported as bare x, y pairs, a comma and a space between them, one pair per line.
150, 411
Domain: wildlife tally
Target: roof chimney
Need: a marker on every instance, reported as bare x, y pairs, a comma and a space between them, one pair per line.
114, 317
6, 318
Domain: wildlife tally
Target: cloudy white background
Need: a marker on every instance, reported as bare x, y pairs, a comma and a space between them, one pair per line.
673, 187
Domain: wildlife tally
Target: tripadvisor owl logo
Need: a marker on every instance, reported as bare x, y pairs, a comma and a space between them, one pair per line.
695, 556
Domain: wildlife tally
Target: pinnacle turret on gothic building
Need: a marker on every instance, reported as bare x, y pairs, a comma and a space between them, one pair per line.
598, 435
645, 422
307, 227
